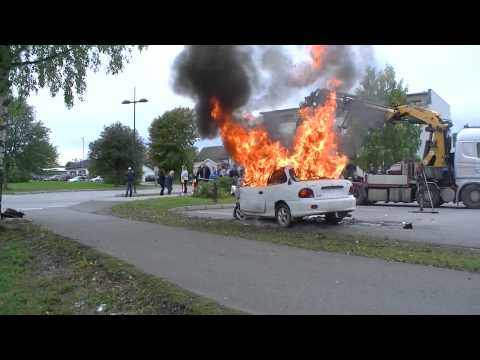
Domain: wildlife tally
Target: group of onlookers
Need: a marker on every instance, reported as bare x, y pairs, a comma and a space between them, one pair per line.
203, 173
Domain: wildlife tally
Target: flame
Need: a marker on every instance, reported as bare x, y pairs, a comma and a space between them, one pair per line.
314, 154
257, 153
317, 53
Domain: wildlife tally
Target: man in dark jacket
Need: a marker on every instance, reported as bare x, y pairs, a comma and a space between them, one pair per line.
130, 181
169, 181
161, 180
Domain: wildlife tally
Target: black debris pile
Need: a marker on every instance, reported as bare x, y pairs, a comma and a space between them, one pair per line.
11, 213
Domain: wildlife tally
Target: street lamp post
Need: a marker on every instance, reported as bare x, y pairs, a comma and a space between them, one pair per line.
134, 102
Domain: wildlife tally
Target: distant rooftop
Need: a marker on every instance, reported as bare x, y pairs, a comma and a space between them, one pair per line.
215, 153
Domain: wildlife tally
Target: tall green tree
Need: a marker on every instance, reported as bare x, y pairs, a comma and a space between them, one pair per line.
27, 68
28, 147
172, 136
385, 144
114, 152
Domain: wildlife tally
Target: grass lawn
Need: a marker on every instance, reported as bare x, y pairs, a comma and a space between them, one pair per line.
44, 273
156, 210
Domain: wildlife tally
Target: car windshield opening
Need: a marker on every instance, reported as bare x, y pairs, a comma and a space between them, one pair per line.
292, 175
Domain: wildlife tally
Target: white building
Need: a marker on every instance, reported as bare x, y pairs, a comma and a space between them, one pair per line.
79, 168
212, 156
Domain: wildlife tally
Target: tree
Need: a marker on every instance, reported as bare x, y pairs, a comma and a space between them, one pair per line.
28, 148
172, 136
384, 144
112, 154
27, 68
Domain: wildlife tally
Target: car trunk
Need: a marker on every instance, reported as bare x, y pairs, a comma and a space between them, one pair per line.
328, 189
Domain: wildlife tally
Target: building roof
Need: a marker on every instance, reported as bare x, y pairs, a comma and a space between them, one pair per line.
83, 164
215, 153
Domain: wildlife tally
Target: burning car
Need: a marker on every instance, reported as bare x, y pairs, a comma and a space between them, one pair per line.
285, 197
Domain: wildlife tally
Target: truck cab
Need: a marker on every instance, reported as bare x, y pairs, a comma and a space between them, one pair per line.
467, 167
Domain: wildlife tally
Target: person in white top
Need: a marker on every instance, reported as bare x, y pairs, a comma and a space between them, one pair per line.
184, 179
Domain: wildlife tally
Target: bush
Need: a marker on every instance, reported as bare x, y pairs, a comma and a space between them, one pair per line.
16, 175
205, 189
225, 184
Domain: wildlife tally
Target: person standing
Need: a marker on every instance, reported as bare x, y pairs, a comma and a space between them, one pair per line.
184, 179
161, 180
169, 181
130, 181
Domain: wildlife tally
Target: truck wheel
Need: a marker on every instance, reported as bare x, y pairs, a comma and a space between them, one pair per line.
333, 218
471, 196
238, 214
283, 215
436, 199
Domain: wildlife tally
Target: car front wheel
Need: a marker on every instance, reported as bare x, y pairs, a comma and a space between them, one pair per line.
283, 215
238, 214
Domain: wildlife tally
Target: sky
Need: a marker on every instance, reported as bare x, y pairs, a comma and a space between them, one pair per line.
451, 71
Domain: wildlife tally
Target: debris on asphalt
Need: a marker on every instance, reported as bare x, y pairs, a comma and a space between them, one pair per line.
11, 213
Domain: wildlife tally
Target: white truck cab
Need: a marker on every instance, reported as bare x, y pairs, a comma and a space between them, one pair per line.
467, 167
285, 198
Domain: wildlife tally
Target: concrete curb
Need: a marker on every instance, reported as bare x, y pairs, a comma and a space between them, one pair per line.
201, 207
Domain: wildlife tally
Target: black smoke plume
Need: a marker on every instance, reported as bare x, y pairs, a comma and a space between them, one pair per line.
204, 71
249, 78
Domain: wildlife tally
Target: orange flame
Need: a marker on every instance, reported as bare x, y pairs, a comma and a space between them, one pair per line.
317, 53
314, 154
257, 153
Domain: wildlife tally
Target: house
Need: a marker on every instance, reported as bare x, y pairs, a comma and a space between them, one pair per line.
213, 157
432, 101
78, 168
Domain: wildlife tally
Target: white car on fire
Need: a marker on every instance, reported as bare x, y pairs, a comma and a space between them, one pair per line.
287, 198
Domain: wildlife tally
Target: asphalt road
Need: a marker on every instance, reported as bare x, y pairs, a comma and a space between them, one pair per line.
257, 277
34, 202
450, 226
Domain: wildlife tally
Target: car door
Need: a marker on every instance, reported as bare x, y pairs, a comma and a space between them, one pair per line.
276, 189
252, 199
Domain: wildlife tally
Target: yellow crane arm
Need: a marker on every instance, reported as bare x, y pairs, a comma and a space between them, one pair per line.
438, 149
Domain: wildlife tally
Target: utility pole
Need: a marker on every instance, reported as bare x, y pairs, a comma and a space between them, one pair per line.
83, 148
134, 102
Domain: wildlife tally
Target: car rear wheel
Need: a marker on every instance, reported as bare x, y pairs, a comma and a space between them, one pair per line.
471, 196
334, 218
283, 215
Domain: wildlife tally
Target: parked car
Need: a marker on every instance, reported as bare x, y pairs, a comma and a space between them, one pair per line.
150, 178
97, 179
287, 198
78, 179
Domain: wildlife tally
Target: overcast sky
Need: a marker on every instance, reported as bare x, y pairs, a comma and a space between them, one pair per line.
451, 71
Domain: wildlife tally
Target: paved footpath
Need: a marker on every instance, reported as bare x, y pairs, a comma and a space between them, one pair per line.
264, 278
